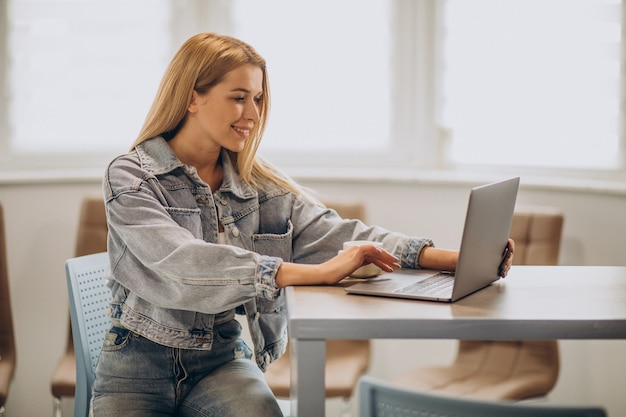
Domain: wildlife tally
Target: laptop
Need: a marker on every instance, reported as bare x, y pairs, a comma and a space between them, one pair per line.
485, 235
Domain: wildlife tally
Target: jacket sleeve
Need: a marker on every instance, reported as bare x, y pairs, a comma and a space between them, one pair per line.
319, 233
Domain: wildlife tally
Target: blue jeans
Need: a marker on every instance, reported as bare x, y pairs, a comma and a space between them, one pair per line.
137, 377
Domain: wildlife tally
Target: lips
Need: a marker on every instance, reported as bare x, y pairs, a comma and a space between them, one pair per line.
242, 131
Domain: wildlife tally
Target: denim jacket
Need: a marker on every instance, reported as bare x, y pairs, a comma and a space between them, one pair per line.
171, 280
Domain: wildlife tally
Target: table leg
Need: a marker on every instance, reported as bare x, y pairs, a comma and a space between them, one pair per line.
308, 392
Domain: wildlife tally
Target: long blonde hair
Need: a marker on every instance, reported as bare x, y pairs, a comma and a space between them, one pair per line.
201, 63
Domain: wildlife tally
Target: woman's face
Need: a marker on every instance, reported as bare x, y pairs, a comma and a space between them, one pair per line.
226, 114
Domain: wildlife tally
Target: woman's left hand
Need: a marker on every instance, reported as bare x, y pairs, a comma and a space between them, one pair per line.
507, 258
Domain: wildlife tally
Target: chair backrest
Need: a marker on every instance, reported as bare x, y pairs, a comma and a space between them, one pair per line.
380, 399
91, 237
7, 335
92, 227
347, 209
89, 299
537, 233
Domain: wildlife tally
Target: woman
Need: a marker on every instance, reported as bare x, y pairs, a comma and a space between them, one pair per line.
200, 228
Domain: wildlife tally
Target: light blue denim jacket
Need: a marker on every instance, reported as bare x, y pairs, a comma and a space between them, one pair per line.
172, 282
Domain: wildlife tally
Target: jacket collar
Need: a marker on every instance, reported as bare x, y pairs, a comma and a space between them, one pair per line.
157, 158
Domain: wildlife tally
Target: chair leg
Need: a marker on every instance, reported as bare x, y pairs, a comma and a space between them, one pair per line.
57, 410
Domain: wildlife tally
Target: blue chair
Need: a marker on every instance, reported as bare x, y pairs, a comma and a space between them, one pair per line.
89, 299
382, 399
90, 238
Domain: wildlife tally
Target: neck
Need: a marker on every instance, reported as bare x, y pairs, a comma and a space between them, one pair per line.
206, 161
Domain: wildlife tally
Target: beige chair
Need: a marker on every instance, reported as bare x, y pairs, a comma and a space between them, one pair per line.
504, 370
346, 360
7, 334
91, 238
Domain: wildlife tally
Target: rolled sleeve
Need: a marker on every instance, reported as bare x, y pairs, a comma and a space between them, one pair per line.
266, 277
410, 255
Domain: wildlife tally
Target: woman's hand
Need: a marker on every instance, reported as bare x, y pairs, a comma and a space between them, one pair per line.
354, 257
443, 259
507, 258
337, 268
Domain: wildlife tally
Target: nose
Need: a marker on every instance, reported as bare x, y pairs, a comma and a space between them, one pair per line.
252, 111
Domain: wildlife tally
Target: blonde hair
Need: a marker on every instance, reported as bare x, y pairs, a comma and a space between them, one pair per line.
201, 63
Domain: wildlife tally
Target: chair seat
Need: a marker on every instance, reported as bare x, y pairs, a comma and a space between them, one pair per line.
512, 371
346, 361
63, 382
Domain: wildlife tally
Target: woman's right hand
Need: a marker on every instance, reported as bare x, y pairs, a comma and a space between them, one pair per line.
337, 268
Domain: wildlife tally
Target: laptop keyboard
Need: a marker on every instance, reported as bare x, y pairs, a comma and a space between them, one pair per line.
436, 285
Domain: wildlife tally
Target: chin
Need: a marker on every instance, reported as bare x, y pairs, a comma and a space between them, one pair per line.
236, 148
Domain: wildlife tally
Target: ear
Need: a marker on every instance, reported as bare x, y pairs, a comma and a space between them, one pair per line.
193, 104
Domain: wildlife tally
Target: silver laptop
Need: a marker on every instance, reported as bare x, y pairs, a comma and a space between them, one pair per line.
485, 235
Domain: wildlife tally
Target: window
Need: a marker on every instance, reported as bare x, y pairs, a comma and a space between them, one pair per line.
403, 84
81, 77
532, 82
323, 94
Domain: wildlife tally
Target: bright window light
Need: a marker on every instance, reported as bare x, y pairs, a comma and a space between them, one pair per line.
83, 74
330, 70
532, 82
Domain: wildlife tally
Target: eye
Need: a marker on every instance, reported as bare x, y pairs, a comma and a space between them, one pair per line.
258, 100
239, 99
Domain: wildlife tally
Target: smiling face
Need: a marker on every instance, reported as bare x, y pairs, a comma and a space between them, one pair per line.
225, 115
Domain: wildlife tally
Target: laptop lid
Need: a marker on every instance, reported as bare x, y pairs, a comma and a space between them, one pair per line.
486, 231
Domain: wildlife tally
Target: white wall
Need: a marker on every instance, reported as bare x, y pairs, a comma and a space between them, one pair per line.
41, 221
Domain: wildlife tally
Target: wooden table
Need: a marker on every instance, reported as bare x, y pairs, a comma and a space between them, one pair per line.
532, 303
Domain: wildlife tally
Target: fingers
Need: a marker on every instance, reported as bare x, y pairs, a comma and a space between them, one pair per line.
507, 260
387, 267
505, 271
373, 254
511, 246
385, 260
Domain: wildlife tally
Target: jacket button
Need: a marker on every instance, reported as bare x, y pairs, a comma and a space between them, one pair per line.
223, 200
235, 232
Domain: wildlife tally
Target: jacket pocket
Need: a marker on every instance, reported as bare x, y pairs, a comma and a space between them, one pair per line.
275, 244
